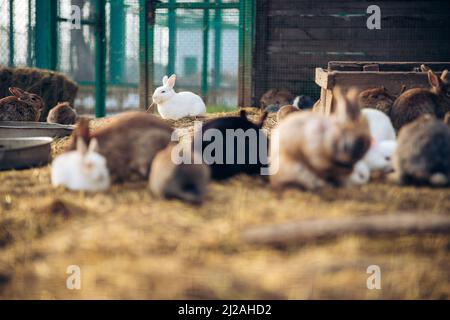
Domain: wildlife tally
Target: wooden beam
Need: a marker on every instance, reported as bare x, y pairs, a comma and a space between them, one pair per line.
298, 232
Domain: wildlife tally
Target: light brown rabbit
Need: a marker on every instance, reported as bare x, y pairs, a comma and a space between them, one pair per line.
311, 150
129, 143
416, 102
376, 98
423, 152
62, 113
185, 181
285, 111
274, 99
447, 118
21, 106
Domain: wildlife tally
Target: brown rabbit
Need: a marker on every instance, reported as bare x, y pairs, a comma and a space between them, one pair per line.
423, 152
274, 99
376, 98
129, 143
62, 113
416, 102
311, 150
285, 111
447, 118
185, 181
21, 106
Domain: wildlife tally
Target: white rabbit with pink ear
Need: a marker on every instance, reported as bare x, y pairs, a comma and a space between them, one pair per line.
175, 106
81, 170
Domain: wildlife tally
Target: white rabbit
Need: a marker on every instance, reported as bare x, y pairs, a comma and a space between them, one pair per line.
380, 125
360, 174
81, 170
379, 156
175, 106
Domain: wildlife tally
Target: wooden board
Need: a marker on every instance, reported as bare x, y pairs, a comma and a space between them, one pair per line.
293, 37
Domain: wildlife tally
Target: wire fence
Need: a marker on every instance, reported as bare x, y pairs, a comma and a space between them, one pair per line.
201, 45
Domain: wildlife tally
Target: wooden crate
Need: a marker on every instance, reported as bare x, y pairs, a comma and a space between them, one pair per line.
366, 75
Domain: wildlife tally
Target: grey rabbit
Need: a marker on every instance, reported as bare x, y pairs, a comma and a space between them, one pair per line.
423, 152
185, 181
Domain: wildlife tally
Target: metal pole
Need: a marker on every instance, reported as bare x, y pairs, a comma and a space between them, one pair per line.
172, 38
205, 52
117, 41
11, 33
46, 34
30, 37
246, 34
217, 46
143, 55
100, 60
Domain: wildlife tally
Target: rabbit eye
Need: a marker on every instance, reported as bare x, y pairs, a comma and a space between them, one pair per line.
163, 91
388, 158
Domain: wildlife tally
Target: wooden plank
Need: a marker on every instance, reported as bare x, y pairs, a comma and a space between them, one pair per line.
353, 46
297, 232
292, 19
335, 7
385, 65
281, 33
322, 78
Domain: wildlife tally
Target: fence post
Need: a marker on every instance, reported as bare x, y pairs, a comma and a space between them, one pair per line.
205, 52
145, 52
217, 47
117, 43
46, 34
11, 33
246, 34
172, 38
100, 59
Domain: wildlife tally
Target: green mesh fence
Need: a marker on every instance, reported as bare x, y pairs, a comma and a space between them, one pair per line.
196, 39
202, 47
17, 25
77, 52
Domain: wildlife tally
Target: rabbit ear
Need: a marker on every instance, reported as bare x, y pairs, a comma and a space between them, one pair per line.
444, 75
447, 118
93, 146
171, 82
347, 108
16, 92
424, 68
165, 79
81, 146
433, 79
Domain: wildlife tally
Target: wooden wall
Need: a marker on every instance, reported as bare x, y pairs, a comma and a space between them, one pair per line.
293, 37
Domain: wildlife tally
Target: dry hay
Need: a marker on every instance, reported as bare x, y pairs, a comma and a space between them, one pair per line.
52, 86
131, 245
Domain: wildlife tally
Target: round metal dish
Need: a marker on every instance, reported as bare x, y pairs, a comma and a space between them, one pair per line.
23, 129
22, 153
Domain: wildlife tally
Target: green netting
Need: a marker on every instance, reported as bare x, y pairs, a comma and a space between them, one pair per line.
200, 44
17, 25
180, 39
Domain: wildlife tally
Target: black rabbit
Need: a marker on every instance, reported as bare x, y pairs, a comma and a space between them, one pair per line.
248, 152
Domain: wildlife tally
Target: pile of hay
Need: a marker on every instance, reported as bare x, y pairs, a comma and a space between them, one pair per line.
132, 245
52, 86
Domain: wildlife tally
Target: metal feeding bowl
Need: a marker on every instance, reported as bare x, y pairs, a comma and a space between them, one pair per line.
22, 129
23, 153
